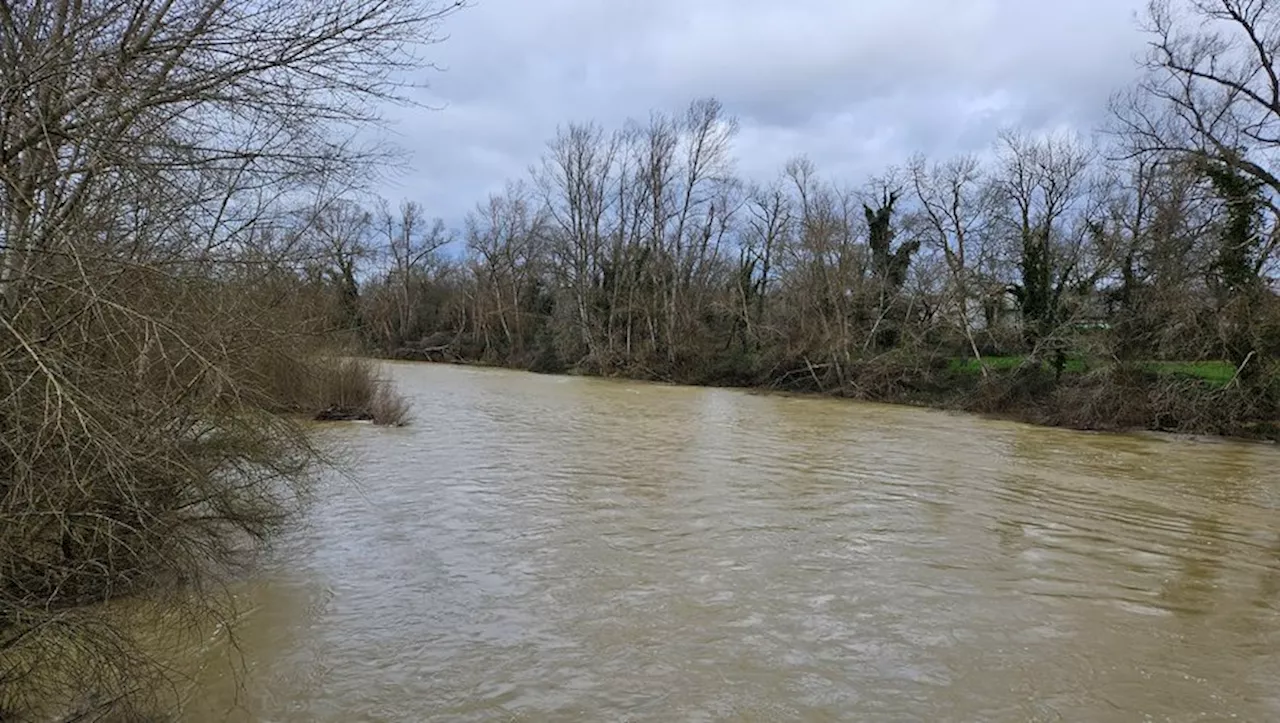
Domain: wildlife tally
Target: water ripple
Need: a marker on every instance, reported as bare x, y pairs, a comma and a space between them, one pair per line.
542, 548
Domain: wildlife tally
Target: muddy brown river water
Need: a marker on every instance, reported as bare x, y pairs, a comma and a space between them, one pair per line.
549, 548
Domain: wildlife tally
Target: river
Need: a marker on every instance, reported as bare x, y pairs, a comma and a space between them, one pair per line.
552, 548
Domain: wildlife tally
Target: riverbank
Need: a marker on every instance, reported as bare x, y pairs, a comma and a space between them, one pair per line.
1186, 398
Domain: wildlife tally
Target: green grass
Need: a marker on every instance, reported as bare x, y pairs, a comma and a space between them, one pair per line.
1213, 372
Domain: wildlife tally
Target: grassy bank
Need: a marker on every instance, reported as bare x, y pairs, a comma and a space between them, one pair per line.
1217, 373
1201, 398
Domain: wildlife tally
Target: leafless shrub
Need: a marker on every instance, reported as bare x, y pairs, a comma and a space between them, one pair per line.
389, 408
135, 461
150, 324
344, 386
350, 389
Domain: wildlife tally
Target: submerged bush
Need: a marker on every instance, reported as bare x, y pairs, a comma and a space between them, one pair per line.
350, 389
389, 408
325, 387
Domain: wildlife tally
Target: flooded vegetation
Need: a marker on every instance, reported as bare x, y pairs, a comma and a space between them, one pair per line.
542, 547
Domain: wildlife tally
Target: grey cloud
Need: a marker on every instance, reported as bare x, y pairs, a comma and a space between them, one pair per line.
856, 86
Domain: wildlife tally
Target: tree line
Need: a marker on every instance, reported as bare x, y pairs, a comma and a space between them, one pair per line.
1145, 254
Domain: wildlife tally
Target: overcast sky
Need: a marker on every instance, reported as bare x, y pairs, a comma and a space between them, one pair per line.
857, 85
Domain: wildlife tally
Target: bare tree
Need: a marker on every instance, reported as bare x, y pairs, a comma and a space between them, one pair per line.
506, 235
409, 245
1212, 90
341, 231
1042, 184
954, 216
150, 156
769, 226
576, 181
684, 198
827, 264
702, 209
